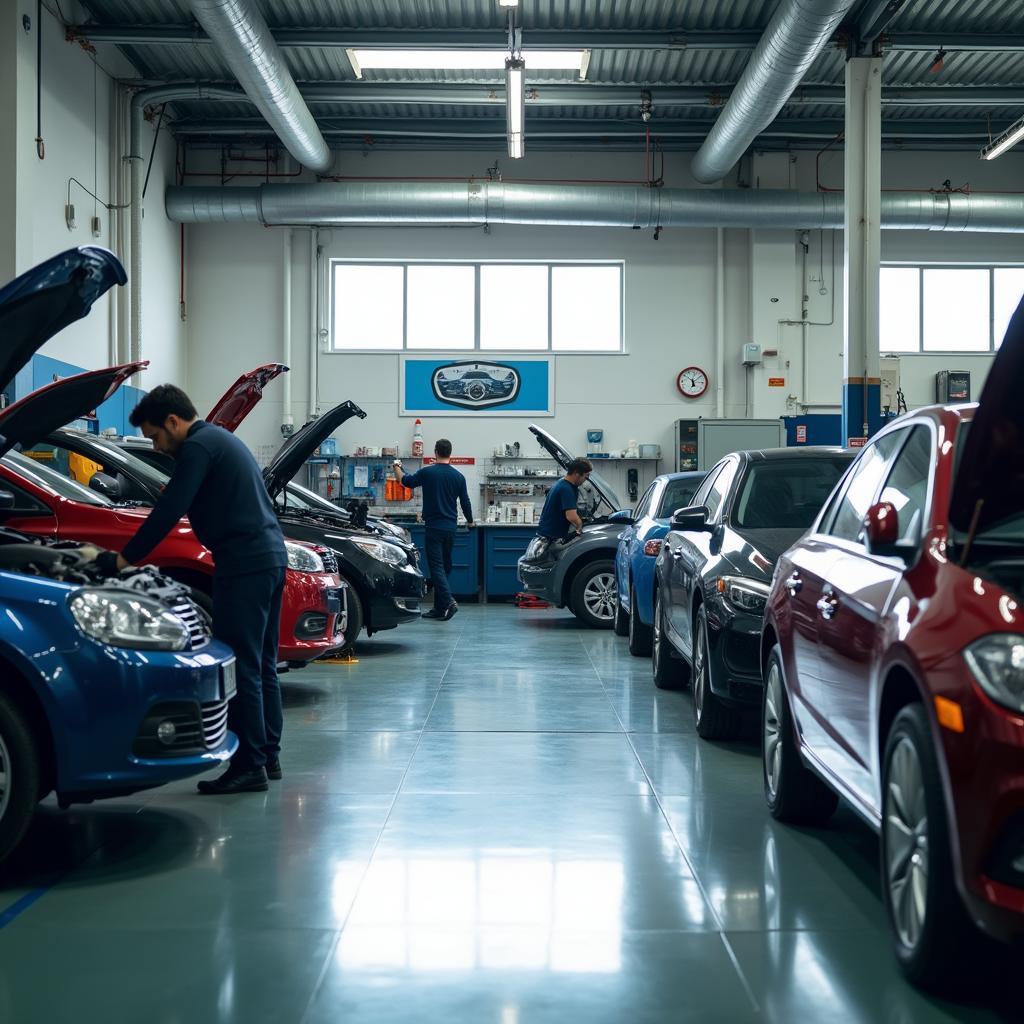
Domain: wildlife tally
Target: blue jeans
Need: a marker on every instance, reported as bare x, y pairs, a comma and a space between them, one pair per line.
439, 544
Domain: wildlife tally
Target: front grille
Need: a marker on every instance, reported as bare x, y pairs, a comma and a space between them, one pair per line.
198, 630
215, 723
330, 559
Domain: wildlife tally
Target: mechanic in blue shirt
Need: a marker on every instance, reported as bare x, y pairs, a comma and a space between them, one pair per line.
218, 485
560, 517
444, 487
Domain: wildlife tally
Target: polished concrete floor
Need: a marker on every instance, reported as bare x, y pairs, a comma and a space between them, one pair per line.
495, 820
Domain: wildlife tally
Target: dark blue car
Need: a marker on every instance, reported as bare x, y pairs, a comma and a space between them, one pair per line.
107, 687
639, 546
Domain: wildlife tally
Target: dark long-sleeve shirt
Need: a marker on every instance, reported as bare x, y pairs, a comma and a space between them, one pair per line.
443, 488
218, 485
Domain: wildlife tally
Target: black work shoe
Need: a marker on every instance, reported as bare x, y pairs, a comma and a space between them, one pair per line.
450, 611
434, 614
273, 768
252, 781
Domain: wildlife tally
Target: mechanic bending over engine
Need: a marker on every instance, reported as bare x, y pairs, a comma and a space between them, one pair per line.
560, 517
218, 485
443, 485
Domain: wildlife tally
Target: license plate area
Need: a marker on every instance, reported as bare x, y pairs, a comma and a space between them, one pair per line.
228, 682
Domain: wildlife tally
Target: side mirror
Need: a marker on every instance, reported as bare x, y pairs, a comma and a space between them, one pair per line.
882, 529
624, 517
693, 517
105, 485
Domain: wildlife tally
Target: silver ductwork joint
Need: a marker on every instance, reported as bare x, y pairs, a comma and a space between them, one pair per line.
243, 39
798, 31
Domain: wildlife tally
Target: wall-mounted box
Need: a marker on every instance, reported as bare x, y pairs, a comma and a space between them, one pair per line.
751, 354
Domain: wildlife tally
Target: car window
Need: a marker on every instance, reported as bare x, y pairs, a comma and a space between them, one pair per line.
863, 485
24, 503
719, 489
644, 503
678, 494
786, 494
43, 476
701, 497
907, 485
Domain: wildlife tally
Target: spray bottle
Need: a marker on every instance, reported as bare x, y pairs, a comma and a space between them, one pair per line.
417, 439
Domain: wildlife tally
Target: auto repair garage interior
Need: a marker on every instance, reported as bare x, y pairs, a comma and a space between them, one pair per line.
751, 745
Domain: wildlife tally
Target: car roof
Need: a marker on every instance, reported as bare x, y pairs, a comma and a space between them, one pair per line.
687, 475
811, 452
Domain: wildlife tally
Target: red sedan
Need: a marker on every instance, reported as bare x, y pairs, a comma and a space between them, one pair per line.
893, 655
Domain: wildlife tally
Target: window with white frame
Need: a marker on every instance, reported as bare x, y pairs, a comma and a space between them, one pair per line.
514, 306
946, 309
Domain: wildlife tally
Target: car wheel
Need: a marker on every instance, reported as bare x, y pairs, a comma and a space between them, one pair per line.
593, 595
640, 636
669, 672
933, 936
792, 791
19, 776
621, 618
356, 619
713, 719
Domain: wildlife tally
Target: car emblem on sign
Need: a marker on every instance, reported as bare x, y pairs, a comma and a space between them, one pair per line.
475, 385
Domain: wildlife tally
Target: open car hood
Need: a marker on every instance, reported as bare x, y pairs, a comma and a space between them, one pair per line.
560, 454
28, 421
990, 469
301, 445
242, 397
44, 300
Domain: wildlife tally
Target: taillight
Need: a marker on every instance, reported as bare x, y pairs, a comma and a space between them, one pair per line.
653, 547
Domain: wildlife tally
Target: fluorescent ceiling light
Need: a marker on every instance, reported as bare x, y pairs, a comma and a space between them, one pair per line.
515, 103
1001, 143
508, 3
465, 60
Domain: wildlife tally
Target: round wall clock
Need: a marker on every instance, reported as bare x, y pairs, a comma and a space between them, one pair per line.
692, 382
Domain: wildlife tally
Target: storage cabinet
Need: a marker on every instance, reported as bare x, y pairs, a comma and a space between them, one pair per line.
465, 575
503, 546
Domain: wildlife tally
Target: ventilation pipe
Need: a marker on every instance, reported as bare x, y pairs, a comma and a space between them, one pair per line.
798, 31
243, 39
140, 100
491, 202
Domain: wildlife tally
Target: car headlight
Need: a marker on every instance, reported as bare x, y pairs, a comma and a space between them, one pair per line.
997, 662
390, 554
398, 532
744, 594
126, 619
536, 548
303, 559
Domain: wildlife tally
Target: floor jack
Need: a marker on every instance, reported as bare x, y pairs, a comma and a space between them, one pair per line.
525, 600
345, 657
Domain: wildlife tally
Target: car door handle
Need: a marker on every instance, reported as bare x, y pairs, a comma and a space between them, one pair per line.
677, 552
827, 606
794, 584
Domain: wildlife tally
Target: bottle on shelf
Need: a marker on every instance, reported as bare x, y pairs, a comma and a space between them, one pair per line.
417, 439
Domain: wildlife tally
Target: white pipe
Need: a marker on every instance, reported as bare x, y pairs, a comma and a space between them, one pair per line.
314, 323
286, 331
113, 163
719, 323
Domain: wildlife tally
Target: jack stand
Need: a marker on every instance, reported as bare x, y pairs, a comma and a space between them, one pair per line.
342, 658
525, 600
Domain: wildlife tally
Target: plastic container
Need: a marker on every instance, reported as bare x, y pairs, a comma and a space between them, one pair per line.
417, 439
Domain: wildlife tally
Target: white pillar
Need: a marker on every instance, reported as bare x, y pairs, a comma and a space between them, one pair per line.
862, 247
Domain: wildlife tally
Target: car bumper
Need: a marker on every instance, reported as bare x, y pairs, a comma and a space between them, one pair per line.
539, 579
985, 766
105, 722
396, 595
735, 649
312, 616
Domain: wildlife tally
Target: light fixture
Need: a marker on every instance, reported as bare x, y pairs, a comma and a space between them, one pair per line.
508, 3
515, 104
465, 60
1001, 143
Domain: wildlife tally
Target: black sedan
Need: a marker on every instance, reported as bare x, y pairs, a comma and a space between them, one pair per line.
715, 569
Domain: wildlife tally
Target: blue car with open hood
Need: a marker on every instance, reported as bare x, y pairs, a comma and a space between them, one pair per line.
107, 686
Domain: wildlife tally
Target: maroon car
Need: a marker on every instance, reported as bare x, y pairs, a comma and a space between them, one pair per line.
893, 655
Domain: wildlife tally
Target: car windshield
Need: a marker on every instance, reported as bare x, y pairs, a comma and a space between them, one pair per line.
50, 480
1009, 530
786, 494
677, 495
305, 500
114, 458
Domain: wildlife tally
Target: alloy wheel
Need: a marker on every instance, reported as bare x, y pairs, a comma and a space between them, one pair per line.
772, 728
656, 645
5, 778
699, 674
599, 595
906, 835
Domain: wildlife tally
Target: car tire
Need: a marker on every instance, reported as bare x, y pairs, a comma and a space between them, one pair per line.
621, 618
592, 596
713, 719
356, 618
669, 671
20, 759
792, 791
935, 942
641, 637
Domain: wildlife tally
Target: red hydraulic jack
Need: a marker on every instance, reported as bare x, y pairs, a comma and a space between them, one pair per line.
524, 600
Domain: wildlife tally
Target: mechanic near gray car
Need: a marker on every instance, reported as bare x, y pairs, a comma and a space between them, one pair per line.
560, 516
218, 485
444, 488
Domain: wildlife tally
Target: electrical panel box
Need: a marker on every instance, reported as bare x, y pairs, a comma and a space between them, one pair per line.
952, 386
717, 438
751, 354
889, 372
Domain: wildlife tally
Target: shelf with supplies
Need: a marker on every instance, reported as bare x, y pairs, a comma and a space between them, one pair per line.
363, 476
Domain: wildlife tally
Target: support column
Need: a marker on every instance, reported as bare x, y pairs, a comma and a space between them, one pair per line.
862, 405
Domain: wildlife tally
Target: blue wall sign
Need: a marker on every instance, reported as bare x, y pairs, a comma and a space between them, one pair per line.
523, 386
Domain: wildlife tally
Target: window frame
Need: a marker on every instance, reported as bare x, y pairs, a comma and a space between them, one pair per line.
331, 348
926, 525
990, 268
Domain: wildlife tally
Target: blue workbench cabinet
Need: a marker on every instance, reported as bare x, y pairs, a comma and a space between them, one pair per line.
503, 547
465, 576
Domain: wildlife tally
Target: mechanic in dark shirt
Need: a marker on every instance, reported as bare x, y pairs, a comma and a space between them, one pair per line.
560, 517
443, 486
218, 485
